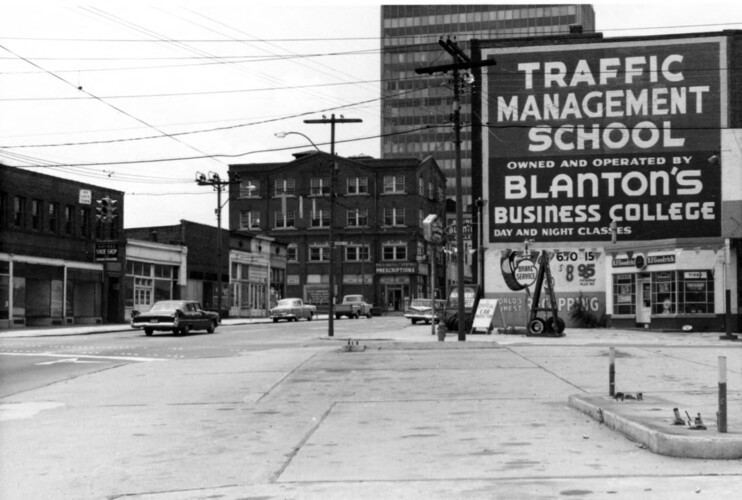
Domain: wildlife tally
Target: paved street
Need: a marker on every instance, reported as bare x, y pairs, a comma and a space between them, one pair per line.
280, 411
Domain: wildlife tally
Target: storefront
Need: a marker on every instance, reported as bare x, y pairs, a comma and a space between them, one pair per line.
249, 284
37, 291
154, 271
673, 289
397, 281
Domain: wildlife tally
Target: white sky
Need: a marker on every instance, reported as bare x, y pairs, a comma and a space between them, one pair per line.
133, 86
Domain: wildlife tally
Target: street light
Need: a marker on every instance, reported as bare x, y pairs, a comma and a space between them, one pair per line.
333, 177
282, 135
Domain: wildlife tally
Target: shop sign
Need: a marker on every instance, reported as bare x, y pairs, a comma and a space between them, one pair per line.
397, 268
525, 272
661, 259
695, 275
106, 252
590, 133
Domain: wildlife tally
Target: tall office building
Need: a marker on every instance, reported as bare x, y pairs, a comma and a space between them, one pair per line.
416, 109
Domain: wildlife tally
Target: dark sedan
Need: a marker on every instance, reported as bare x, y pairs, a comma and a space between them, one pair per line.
177, 316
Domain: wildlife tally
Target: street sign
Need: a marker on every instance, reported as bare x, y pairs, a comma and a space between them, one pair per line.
450, 231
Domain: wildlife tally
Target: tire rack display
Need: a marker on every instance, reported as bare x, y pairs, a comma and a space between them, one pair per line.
552, 325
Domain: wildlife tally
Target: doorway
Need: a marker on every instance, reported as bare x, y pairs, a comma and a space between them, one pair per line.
643, 301
394, 301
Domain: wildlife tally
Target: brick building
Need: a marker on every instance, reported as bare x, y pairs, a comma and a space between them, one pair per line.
60, 262
377, 231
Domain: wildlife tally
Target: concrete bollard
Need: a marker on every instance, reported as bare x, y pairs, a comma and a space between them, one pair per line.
612, 373
721, 416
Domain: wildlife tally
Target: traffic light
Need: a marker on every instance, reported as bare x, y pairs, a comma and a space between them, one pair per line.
105, 209
101, 210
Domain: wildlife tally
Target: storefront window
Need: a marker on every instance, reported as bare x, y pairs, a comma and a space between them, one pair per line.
664, 296
696, 292
624, 294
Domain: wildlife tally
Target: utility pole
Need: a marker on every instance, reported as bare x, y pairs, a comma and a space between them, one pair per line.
461, 61
331, 242
218, 184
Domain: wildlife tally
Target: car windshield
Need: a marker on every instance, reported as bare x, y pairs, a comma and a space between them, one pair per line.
166, 306
288, 303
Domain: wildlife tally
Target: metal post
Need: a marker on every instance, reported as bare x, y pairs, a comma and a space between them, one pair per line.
432, 287
218, 188
721, 417
612, 373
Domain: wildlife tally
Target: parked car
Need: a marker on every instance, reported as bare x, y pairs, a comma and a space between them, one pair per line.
293, 310
353, 306
177, 316
422, 310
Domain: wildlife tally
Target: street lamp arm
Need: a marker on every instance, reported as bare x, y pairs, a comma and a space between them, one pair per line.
281, 135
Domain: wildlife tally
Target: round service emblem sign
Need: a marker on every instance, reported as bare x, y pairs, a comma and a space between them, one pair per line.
525, 272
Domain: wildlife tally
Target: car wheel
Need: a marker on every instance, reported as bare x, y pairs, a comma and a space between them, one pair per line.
311, 316
356, 315
413, 321
368, 315
185, 329
211, 327
337, 316
148, 331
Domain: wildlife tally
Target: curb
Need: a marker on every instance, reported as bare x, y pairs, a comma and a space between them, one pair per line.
655, 437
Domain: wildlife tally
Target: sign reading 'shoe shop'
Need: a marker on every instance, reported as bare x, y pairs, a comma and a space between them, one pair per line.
590, 133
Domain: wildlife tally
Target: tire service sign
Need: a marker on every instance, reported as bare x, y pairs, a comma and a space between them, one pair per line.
581, 135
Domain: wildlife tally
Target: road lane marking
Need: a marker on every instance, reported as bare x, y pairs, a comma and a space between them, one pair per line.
77, 356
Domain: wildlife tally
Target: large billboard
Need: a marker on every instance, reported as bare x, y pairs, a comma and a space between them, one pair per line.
579, 135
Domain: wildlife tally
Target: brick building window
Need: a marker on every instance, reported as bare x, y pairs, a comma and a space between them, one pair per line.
69, 215
321, 218
394, 251
85, 222
394, 184
319, 254
292, 254
285, 220
53, 217
319, 186
250, 189
19, 211
357, 253
36, 214
249, 219
357, 217
357, 185
284, 186
394, 216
